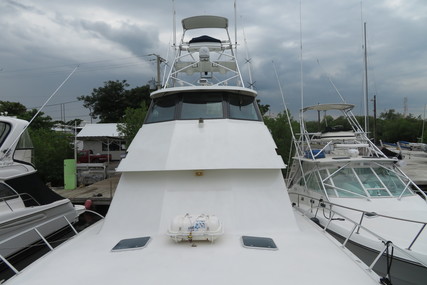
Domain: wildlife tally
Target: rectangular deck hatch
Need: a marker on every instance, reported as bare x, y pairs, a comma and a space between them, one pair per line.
131, 243
258, 242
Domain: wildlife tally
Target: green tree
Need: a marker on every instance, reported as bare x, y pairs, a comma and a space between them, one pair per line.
263, 108
42, 121
132, 122
390, 115
50, 150
110, 101
12, 108
74, 122
281, 132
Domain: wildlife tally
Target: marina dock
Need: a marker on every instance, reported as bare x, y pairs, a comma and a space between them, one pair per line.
415, 166
100, 193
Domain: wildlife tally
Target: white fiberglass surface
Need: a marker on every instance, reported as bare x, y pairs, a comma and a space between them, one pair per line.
245, 201
226, 261
248, 202
358, 182
401, 233
192, 145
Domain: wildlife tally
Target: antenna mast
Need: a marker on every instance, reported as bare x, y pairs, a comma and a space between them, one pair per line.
235, 27
301, 71
174, 23
7, 152
366, 81
249, 62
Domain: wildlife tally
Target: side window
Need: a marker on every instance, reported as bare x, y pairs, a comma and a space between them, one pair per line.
25, 141
6, 191
328, 183
243, 107
313, 182
162, 109
4, 131
393, 183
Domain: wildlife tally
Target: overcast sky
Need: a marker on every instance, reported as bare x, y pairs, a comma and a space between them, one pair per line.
41, 42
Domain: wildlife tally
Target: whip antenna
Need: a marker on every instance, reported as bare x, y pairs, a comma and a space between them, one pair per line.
7, 152
283, 99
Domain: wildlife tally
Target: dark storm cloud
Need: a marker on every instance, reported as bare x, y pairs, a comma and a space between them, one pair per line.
138, 40
42, 41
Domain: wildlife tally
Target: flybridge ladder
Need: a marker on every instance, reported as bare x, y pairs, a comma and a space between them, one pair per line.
213, 59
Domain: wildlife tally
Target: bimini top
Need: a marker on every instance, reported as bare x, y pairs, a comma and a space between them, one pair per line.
328, 107
201, 22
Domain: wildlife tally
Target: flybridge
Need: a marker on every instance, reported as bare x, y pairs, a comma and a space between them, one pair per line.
204, 60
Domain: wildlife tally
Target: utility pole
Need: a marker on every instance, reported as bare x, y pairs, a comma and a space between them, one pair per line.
159, 60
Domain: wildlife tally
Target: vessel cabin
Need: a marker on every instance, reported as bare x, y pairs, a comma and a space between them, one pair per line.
196, 105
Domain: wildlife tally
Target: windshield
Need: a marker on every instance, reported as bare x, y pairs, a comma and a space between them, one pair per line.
358, 182
203, 105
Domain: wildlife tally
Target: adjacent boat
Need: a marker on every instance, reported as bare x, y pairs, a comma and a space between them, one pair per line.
201, 196
341, 180
29, 210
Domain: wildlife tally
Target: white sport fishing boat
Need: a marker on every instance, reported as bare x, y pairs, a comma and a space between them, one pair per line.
341, 180
201, 195
29, 210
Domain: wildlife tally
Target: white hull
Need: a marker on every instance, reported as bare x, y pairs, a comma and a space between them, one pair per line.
29, 210
16, 229
408, 266
235, 197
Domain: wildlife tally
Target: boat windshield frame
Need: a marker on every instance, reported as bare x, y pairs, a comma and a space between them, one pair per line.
203, 104
357, 181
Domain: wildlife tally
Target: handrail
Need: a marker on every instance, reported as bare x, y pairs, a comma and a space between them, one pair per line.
423, 223
20, 195
356, 224
35, 228
13, 268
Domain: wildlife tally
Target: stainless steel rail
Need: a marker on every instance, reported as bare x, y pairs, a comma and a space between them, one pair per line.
321, 204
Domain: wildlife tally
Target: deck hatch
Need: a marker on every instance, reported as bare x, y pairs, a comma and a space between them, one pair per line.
131, 243
258, 242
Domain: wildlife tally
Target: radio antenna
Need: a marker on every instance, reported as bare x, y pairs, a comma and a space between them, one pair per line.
7, 152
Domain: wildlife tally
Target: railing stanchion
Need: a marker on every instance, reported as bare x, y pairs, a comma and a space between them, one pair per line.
351, 233
9, 264
329, 221
71, 225
416, 237
42, 237
377, 258
360, 223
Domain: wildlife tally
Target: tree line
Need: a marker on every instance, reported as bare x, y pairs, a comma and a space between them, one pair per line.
115, 102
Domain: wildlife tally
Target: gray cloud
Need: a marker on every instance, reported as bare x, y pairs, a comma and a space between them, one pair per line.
42, 43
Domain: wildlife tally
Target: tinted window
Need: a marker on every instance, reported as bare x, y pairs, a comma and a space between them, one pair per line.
163, 109
131, 243
258, 242
243, 107
25, 141
4, 131
206, 106
203, 105
6, 191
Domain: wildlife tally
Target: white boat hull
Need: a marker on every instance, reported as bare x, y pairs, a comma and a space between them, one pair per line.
16, 232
